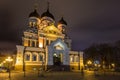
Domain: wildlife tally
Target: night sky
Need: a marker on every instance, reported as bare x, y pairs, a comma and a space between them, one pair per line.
89, 21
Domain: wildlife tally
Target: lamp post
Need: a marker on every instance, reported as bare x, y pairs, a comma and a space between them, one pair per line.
9, 60
41, 68
24, 60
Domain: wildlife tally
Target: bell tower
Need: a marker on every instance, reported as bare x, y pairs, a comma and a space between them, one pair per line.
30, 35
62, 24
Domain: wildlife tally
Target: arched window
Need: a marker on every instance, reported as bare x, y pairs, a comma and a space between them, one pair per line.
47, 42
34, 57
71, 58
34, 24
76, 59
37, 44
33, 44
30, 23
27, 57
28, 42
40, 57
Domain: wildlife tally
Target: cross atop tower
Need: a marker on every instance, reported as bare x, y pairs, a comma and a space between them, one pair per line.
35, 5
48, 5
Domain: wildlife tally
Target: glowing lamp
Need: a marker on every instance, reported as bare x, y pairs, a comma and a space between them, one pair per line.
40, 45
89, 62
9, 59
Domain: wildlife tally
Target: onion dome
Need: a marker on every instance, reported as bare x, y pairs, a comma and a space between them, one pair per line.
47, 14
62, 21
34, 14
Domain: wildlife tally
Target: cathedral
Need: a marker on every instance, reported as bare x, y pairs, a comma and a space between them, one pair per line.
45, 45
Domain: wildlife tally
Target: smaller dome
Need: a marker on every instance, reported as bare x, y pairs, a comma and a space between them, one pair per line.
47, 14
62, 21
34, 14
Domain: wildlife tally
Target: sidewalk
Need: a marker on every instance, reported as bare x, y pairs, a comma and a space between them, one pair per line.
59, 76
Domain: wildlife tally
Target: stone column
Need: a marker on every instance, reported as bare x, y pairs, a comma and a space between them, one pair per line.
50, 56
46, 57
35, 43
37, 57
20, 50
61, 55
81, 60
30, 43
44, 42
30, 56
66, 58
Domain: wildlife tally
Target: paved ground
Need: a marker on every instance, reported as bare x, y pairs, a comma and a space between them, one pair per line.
61, 76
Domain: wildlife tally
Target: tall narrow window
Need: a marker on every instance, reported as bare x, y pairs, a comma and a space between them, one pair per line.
28, 42
37, 44
33, 44
34, 57
47, 42
41, 57
71, 58
27, 57
76, 59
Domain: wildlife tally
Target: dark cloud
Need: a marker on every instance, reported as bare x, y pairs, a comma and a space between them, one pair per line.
89, 21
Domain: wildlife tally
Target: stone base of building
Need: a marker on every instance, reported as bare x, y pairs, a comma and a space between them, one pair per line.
18, 68
58, 68
44, 67
47, 67
29, 67
72, 68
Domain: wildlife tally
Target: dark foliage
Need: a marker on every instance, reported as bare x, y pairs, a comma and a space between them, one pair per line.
106, 53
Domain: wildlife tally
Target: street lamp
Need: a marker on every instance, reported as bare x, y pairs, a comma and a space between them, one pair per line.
113, 66
89, 63
41, 68
9, 60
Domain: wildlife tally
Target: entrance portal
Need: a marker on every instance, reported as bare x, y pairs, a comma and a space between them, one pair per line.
58, 53
57, 59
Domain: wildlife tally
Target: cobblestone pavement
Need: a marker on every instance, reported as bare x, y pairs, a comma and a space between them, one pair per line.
61, 76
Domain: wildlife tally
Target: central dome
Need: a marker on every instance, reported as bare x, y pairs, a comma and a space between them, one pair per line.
47, 14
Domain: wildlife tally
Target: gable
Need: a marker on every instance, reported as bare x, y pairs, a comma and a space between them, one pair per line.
58, 44
51, 28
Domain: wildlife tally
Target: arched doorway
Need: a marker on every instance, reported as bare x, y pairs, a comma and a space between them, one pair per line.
58, 53
57, 59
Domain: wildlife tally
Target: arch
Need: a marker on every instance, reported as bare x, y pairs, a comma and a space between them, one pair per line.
33, 43
71, 58
28, 56
76, 58
28, 42
60, 48
34, 56
59, 45
41, 57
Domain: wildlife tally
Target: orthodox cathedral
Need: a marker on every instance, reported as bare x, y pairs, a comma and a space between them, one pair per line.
46, 45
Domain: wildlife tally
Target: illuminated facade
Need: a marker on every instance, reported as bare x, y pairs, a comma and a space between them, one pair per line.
46, 45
